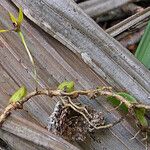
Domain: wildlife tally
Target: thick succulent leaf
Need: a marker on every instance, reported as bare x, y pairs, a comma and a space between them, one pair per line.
18, 95
13, 19
140, 115
115, 102
67, 86
143, 51
20, 17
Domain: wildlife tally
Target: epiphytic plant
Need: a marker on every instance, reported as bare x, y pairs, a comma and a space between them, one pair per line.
67, 95
92, 120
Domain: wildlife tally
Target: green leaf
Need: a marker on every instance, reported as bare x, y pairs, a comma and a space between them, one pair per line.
143, 51
140, 115
18, 95
20, 17
115, 102
1, 31
66, 86
13, 19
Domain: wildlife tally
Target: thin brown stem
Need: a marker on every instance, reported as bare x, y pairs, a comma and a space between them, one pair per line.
51, 93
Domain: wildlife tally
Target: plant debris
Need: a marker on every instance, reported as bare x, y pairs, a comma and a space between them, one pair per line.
71, 125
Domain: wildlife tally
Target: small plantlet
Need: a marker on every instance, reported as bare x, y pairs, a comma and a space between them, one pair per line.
17, 28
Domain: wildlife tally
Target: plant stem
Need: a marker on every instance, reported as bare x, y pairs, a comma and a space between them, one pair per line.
51, 93
29, 54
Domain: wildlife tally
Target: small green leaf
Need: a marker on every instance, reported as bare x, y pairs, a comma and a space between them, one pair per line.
1, 31
13, 19
18, 95
66, 86
140, 115
20, 17
115, 102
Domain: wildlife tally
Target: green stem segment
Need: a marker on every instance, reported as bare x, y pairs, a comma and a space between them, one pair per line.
29, 54
1, 31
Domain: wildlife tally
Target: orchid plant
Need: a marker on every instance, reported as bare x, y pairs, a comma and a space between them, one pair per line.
17, 22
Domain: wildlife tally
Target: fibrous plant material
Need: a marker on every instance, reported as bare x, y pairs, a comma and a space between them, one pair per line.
71, 125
